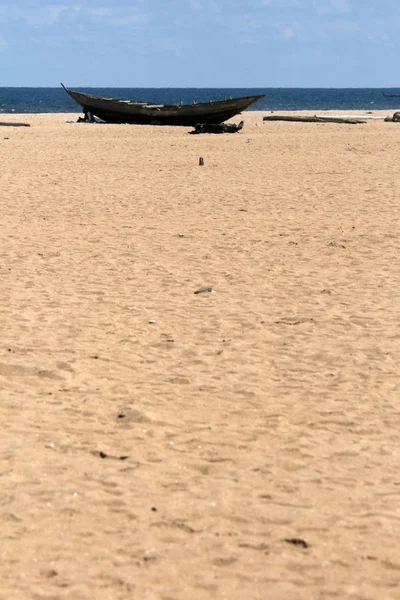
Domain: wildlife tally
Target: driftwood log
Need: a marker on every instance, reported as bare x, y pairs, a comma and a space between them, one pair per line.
5, 124
217, 128
314, 119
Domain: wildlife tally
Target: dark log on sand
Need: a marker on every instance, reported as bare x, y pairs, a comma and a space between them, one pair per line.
5, 124
217, 127
313, 119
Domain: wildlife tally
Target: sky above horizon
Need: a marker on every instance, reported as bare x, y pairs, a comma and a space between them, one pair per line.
200, 43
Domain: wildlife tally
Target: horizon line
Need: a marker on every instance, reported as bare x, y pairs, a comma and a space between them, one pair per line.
253, 87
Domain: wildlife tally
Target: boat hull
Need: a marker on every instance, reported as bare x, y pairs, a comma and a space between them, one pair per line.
112, 110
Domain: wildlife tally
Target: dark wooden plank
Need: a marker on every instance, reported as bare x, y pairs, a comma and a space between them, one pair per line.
6, 124
314, 119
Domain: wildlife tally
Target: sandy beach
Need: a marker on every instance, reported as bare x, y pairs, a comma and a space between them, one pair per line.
159, 444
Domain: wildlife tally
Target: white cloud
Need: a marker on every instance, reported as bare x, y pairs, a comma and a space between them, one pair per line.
120, 16
101, 12
346, 26
37, 17
249, 21
169, 45
332, 6
54, 13
280, 3
378, 38
290, 32
53, 41
246, 40
82, 38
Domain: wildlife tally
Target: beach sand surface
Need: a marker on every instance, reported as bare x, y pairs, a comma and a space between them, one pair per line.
239, 444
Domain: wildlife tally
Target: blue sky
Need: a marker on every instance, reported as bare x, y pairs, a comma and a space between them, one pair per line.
200, 43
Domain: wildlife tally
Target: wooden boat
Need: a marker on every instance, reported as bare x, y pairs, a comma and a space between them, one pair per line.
113, 110
391, 95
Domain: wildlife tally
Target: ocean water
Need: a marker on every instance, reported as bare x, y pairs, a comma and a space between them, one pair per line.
56, 100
